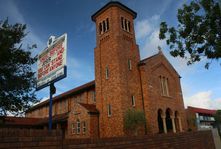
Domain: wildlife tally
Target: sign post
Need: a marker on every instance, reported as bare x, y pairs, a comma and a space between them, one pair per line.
52, 91
52, 67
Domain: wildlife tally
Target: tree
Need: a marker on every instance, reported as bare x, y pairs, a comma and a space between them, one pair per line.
133, 119
17, 80
217, 117
191, 121
198, 34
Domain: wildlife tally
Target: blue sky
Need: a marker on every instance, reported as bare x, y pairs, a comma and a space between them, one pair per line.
201, 87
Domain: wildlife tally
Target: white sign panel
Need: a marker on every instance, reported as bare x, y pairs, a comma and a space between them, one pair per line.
51, 62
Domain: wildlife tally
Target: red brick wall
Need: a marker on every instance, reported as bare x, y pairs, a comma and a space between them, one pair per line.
63, 105
187, 140
153, 100
39, 139
193, 140
113, 50
26, 139
78, 113
81, 114
94, 126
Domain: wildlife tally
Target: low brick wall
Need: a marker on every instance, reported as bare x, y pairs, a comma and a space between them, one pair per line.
40, 139
27, 138
187, 140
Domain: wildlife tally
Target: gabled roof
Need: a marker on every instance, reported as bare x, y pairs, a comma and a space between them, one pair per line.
74, 91
160, 53
56, 118
201, 110
24, 121
111, 4
19, 121
148, 58
90, 108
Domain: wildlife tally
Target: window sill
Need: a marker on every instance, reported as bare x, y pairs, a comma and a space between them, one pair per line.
104, 33
127, 31
166, 96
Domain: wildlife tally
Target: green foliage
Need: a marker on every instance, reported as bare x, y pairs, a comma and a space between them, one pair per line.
217, 117
134, 118
198, 34
17, 80
191, 120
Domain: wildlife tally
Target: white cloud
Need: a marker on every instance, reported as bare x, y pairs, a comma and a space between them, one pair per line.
143, 28
151, 44
203, 100
180, 64
147, 34
155, 18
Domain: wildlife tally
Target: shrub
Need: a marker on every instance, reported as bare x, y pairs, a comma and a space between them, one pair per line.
133, 119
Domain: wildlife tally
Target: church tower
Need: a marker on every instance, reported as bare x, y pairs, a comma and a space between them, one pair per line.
117, 78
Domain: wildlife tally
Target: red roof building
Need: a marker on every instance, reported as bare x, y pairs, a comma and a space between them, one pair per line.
199, 118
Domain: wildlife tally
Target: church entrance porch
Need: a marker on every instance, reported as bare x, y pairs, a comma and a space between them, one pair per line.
160, 121
168, 121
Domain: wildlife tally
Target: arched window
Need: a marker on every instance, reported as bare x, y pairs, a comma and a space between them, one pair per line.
160, 120
73, 128
78, 126
100, 28
84, 127
177, 125
125, 23
106, 73
164, 86
93, 96
129, 65
133, 100
122, 22
129, 26
168, 119
107, 22
104, 26
109, 112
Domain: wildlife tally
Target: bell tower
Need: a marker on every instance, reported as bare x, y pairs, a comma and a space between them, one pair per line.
117, 79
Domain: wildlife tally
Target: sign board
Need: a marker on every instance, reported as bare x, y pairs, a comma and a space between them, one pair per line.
51, 62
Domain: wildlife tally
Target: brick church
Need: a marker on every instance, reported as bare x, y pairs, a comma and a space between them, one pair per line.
122, 82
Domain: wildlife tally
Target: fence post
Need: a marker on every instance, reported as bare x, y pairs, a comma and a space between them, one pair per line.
216, 138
